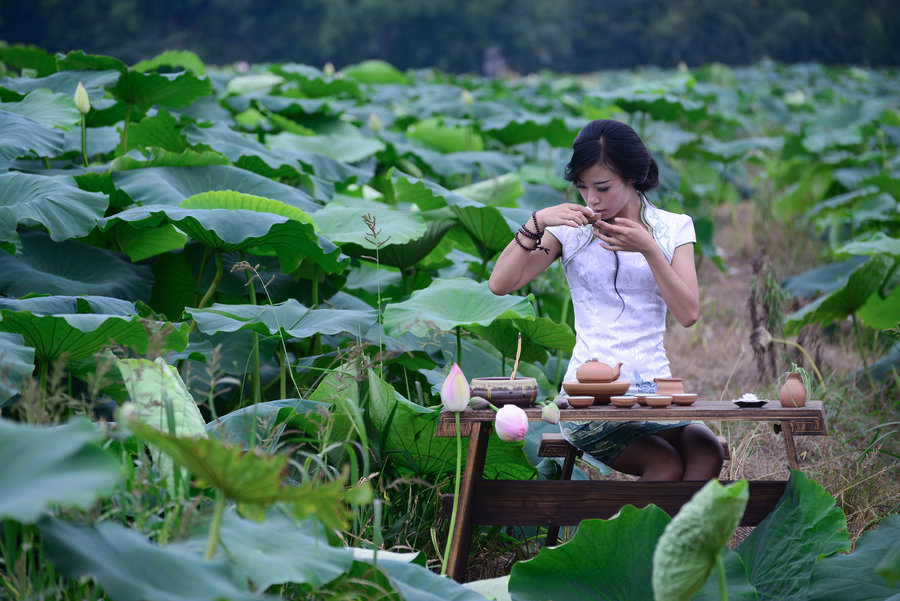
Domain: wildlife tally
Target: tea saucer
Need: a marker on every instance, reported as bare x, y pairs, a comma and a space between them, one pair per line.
601, 391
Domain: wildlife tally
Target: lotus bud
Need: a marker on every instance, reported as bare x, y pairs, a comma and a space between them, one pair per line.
476, 402
328, 69
82, 102
467, 98
550, 413
511, 423
374, 123
455, 390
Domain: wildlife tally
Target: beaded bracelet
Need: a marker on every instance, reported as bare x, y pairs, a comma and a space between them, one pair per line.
537, 245
536, 235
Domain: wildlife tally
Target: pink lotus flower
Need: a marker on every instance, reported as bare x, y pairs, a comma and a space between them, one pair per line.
455, 390
511, 423
550, 413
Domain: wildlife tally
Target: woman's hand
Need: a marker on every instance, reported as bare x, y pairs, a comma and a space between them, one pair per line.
571, 214
623, 234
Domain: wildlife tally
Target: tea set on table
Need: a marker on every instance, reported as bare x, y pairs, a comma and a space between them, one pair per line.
597, 384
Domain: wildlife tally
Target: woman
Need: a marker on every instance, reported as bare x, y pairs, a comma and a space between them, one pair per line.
626, 262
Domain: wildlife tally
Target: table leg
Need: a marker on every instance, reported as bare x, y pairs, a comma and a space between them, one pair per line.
462, 531
788, 433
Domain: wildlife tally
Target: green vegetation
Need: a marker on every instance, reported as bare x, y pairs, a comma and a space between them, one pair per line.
223, 338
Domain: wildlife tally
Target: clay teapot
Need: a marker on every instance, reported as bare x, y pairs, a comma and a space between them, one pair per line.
595, 371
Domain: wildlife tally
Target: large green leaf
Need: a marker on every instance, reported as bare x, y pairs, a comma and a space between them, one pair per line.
341, 147
448, 303
173, 58
18, 364
782, 549
230, 230
52, 466
52, 201
65, 82
491, 226
70, 268
130, 568
288, 318
22, 134
537, 336
855, 576
606, 559
280, 550
413, 251
172, 185
50, 109
864, 282
342, 221
165, 89
159, 131
17, 56
76, 336
513, 130
417, 583
243, 150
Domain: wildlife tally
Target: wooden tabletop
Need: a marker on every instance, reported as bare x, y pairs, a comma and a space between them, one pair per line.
806, 420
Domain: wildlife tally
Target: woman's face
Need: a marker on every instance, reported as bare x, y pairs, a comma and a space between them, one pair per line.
604, 191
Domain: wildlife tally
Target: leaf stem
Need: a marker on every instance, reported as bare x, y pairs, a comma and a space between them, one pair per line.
217, 279
215, 525
455, 494
720, 571
83, 141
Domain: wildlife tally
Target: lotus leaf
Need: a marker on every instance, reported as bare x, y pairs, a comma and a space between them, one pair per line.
18, 364
50, 109
782, 549
52, 466
230, 230
871, 571
52, 201
171, 185
173, 58
128, 567
80, 335
22, 134
290, 319
165, 89
606, 559
341, 221
70, 267
449, 303
280, 550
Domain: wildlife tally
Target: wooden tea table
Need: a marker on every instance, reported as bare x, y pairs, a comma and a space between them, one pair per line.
567, 502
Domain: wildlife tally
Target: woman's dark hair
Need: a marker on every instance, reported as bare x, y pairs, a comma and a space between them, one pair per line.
618, 148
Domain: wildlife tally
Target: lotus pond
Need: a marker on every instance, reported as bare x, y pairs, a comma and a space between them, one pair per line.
229, 298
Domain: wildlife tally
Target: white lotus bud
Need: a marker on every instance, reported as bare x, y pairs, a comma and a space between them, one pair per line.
82, 102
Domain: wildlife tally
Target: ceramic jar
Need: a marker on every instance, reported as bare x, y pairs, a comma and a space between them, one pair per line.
668, 386
793, 392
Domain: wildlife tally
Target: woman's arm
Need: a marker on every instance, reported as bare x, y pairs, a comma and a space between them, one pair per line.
677, 281
517, 266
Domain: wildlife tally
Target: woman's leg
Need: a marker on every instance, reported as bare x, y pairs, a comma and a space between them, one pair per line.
652, 458
699, 449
